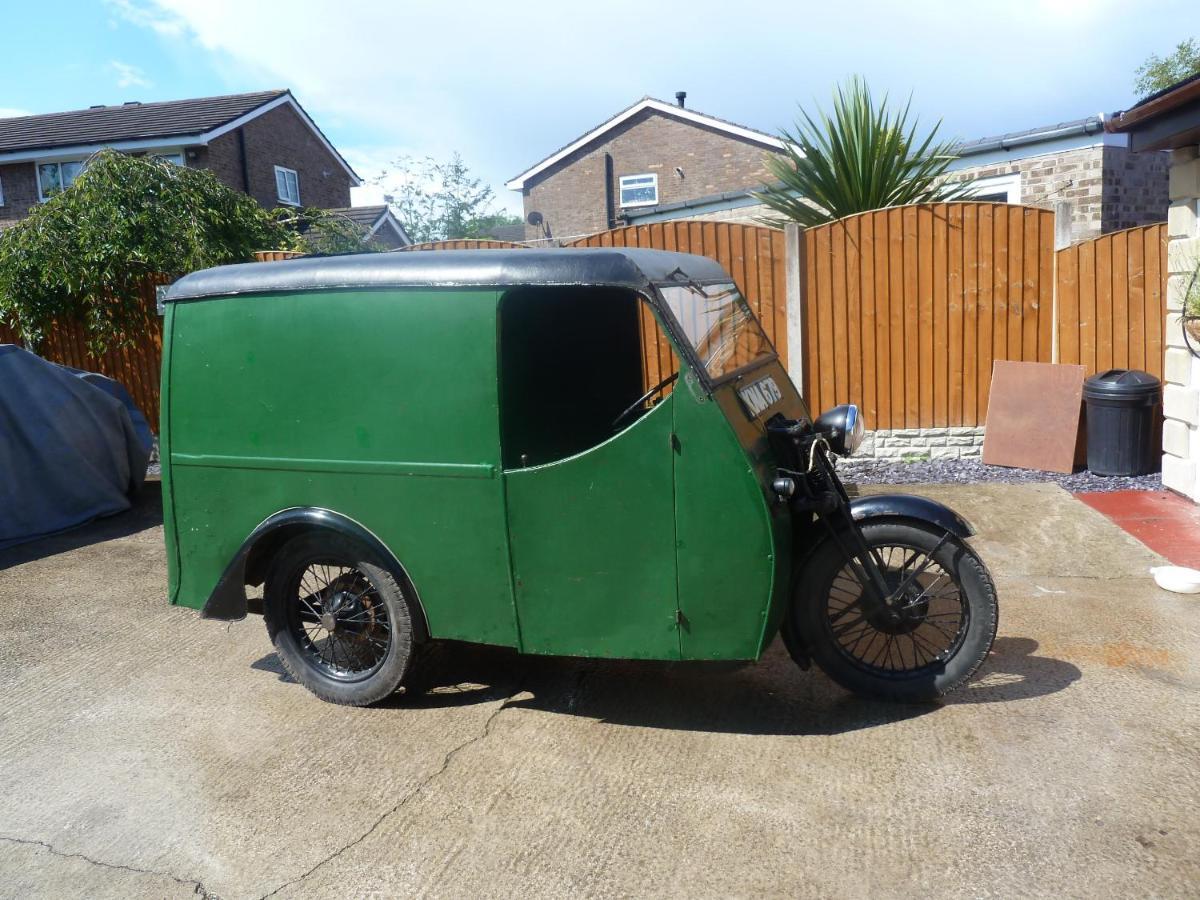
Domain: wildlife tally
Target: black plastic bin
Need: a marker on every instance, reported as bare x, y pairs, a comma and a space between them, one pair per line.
1122, 414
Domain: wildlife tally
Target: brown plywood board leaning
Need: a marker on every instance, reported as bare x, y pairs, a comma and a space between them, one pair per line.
1033, 417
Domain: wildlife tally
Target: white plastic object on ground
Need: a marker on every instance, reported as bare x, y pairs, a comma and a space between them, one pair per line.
1177, 579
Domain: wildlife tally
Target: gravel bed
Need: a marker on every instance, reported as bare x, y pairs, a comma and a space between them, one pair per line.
972, 471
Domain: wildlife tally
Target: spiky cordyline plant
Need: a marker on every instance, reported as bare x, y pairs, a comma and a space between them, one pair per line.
865, 157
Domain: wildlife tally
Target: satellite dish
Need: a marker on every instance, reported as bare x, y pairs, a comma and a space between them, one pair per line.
534, 218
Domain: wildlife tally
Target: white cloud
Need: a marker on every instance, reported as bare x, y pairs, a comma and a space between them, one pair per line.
11, 112
127, 75
506, 84
147, 15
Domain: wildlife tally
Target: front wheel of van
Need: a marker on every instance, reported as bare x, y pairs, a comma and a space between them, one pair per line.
340, 621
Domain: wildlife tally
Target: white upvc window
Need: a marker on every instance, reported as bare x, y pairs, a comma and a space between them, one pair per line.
639, 190
997, 189
1, 191
172, 156
287, 186
55, 177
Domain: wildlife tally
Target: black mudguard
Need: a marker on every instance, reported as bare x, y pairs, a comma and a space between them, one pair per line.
228, 599
910, 506
878, 507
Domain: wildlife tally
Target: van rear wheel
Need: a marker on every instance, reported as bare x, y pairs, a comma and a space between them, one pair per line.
340, 622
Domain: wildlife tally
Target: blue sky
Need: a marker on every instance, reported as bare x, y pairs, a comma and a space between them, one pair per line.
507, 83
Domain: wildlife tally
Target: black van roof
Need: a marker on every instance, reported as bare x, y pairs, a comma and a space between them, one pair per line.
633, 268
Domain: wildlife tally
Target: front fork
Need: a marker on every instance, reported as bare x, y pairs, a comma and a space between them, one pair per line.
823, 494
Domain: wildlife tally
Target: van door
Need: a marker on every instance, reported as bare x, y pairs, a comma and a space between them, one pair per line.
591, 508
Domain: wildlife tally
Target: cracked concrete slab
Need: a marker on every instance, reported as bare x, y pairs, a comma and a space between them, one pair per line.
148, 752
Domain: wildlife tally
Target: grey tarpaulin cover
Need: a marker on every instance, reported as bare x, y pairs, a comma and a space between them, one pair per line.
69, 447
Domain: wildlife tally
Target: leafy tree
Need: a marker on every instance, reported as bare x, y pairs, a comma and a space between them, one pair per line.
1157, 72
86, 252
866, 156
437, 201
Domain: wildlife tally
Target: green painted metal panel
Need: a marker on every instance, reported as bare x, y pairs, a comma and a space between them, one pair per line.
593, 547
373, 404
727, 555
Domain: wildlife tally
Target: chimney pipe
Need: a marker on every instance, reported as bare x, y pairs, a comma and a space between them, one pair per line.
680, 96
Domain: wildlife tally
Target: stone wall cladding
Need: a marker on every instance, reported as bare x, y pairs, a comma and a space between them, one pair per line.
1181, 369
922, 443
570, 195
19, 182
278, 138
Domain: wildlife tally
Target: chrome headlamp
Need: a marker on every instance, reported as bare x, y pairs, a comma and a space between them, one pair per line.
843, 427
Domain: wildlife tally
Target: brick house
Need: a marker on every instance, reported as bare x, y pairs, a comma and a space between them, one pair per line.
649, 154
263, 144
1108, 186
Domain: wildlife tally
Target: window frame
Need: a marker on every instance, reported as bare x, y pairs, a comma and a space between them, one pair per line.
59, 163
1, 190
621, 190
285, 171
1009, 185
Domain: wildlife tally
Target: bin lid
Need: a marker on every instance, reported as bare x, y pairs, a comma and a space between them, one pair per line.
1130, 383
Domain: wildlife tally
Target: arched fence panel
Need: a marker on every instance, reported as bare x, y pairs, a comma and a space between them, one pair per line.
1112, 301
906, 309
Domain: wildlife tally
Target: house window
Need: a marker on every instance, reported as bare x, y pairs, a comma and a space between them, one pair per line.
639, 190
998, 189
56, 177
175, 158
1, 192
287, 186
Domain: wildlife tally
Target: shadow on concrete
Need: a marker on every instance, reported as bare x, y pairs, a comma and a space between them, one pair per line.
145, 513
772, 696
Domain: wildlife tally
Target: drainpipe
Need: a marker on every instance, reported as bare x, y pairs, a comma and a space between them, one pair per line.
609, 211
241, 133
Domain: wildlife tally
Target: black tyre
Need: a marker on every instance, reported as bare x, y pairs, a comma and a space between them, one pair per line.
927, 642
341, 623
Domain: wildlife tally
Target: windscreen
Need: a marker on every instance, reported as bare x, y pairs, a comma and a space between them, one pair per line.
719, 326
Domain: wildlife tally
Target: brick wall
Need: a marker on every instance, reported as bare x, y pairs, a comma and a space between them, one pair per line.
570, 195
19, 182
278, 138
1109, 188
1135, 188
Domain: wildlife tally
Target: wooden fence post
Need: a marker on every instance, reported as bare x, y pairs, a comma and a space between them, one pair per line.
794, 263
1062, 240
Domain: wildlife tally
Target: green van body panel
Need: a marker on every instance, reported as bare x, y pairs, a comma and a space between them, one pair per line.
593, 547
383, 405
363, 403
726, 552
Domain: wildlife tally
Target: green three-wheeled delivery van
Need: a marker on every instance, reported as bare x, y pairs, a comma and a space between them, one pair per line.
404, 448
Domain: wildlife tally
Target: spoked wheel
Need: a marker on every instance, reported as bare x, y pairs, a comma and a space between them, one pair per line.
340, 622
926, 640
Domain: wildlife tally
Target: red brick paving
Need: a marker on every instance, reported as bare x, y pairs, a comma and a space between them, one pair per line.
1165, 522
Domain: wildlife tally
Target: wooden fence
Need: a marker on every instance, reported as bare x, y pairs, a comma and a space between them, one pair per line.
902, 311
1111, 301
906, 309
136, 367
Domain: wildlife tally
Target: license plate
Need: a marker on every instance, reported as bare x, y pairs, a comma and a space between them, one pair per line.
760, 395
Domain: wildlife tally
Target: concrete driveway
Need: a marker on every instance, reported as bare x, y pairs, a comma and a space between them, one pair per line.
148, 753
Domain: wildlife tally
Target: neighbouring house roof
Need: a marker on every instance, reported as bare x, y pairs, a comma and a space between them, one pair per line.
647, 103
132, 126
1042, 134
1165, 120
374, 218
